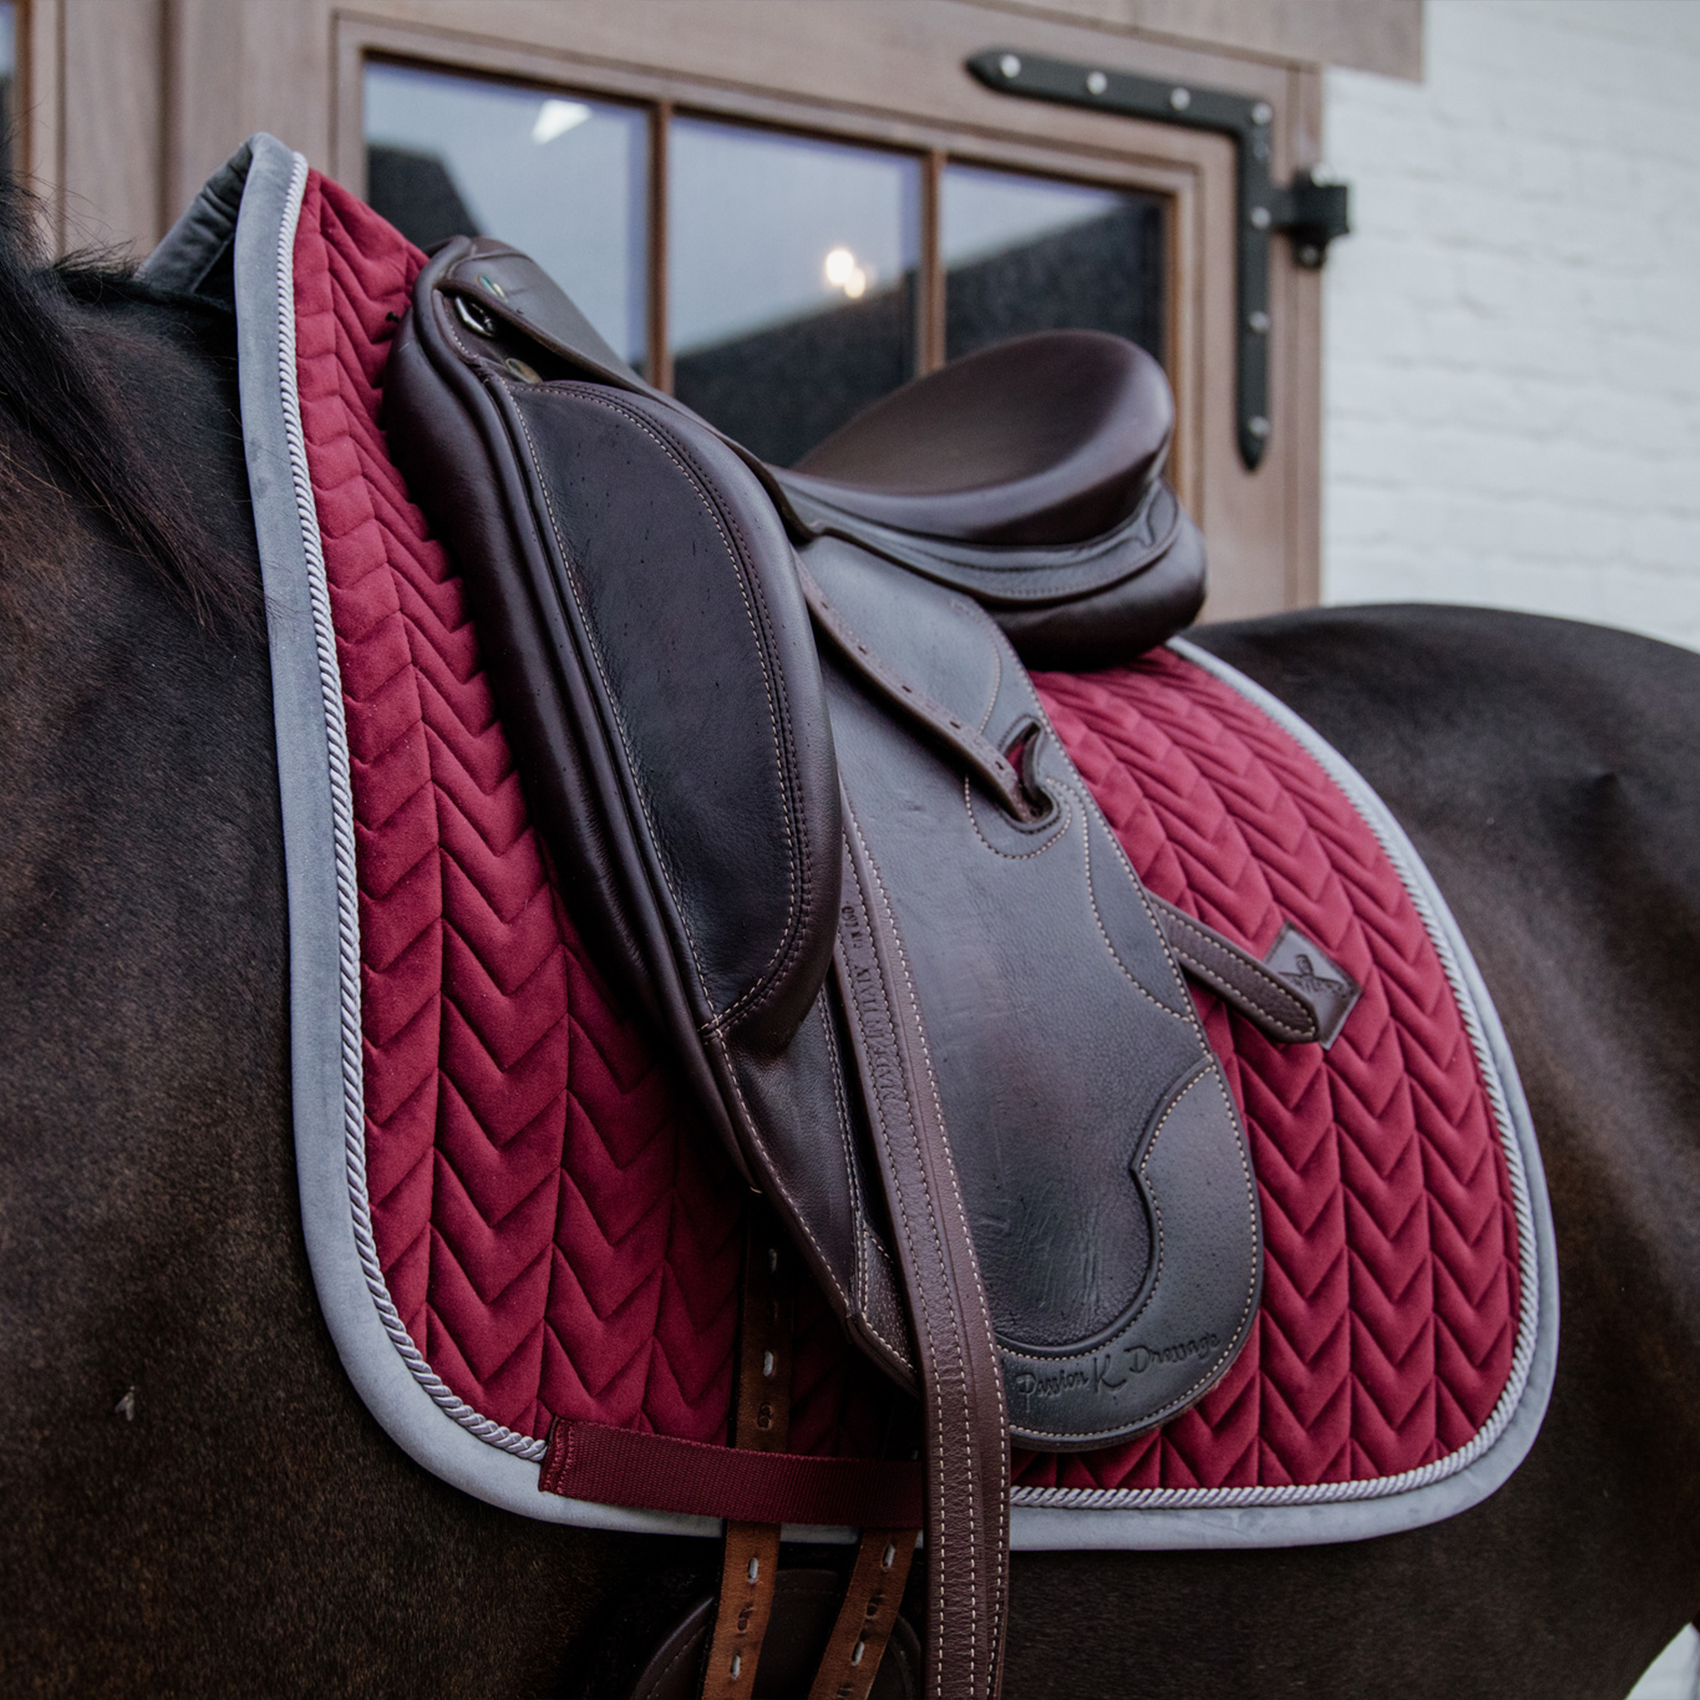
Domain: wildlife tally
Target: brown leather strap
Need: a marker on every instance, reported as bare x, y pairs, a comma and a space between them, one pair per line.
966, 1426
762, 1423
853, 1654
995, 770
1235, 975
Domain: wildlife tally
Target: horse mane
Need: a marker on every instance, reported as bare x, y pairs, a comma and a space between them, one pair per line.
56, 388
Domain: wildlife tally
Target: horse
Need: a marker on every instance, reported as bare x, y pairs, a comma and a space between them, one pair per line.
196, 1501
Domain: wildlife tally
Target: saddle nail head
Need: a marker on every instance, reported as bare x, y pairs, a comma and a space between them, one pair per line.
1009, 65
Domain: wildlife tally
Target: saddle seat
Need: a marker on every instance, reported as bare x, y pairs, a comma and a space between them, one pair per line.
1052, 438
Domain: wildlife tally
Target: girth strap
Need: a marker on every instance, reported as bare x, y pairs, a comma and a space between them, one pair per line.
750, 1566
865, 1620
966, 1444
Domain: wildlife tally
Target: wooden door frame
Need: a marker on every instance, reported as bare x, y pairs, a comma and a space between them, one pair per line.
163, 91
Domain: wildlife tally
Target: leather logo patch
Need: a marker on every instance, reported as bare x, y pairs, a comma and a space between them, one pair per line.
1304, 965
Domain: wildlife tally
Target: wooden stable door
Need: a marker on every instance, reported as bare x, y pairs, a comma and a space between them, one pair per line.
780, 209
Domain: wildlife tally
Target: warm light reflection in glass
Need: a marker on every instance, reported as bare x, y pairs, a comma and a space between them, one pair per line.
842, 272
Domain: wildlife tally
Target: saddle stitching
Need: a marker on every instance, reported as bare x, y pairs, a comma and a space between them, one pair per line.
900, 1349
1115, 955
1206, 973
718, 1039
852, 1180
1056, 830
792, 929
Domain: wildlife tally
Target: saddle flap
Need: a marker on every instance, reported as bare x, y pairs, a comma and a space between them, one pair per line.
1101, 1159
653, 650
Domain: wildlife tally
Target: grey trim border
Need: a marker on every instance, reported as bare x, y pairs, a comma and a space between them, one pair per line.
442, 1433
255, 203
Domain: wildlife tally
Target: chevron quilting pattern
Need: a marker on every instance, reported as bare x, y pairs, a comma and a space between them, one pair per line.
1390, 1293
558, 1237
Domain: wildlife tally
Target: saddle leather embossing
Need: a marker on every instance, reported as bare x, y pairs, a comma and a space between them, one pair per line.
899, 955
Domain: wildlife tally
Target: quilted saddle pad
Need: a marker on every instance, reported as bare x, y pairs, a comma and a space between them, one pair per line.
510, 1213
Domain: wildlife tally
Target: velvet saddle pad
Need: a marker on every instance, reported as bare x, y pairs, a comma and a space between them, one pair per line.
545, 1232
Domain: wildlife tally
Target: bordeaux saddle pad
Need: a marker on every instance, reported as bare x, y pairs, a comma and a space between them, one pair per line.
513, 1218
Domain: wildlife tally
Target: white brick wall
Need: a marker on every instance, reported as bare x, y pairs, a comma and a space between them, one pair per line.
1512, 333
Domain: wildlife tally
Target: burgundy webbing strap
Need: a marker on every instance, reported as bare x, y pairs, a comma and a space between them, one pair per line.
653, 1472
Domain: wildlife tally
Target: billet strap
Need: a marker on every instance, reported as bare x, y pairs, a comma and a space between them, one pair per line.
865, 1620
964, 1416
1260, 993
762, 1423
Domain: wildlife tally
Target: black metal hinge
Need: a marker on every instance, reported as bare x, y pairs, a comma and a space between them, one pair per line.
1311, 214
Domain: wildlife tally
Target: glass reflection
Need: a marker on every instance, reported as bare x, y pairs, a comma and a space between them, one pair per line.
1025, 254
790, 280
566, 180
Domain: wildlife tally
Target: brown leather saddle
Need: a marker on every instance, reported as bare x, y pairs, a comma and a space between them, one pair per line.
784, 753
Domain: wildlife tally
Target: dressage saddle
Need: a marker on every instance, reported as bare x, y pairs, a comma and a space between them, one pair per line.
777, 731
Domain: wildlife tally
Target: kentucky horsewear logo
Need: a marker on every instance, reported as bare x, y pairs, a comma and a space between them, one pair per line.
1305, 966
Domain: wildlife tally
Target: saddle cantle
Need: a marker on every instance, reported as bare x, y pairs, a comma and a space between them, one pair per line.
807, 794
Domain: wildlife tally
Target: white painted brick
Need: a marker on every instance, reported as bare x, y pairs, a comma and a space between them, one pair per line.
1512, 333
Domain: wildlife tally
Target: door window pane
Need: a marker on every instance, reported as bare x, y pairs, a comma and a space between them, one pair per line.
1025, 254
564, 180
790, 280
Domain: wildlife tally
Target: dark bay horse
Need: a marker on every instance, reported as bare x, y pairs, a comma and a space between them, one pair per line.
193, 1500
